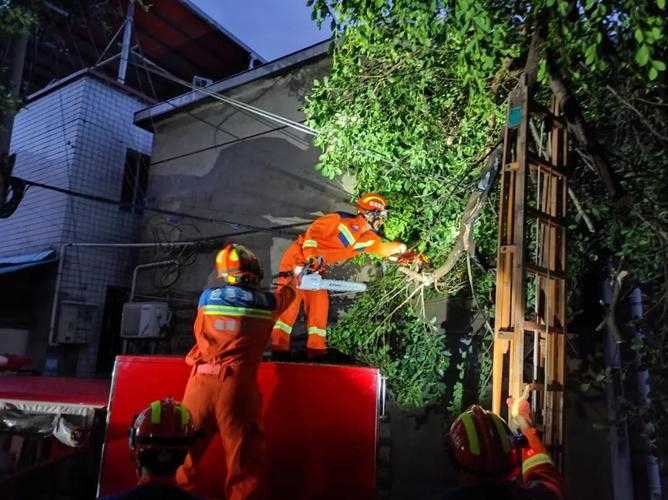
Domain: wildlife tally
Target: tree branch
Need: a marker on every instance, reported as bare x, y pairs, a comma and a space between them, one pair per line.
640, 115
578, 127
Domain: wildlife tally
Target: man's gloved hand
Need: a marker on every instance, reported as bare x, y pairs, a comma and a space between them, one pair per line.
397, 250
297, 271
410, 257
519, 410
315, 264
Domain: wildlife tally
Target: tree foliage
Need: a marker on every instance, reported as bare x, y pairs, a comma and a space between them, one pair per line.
414, 102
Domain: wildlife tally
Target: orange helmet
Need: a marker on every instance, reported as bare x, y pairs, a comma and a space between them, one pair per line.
372, 202
164, 424
483, 447
237, 265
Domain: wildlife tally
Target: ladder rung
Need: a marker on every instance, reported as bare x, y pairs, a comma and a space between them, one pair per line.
505, 333
513, 165
537, 327
507, 248
555, 387
552, 220
537, 109
545, 166
545, 272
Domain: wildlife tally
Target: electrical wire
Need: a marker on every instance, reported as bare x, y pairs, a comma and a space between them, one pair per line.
278, 230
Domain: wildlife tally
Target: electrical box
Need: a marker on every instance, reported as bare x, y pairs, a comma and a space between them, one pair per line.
75, 322
145, 320
200, 82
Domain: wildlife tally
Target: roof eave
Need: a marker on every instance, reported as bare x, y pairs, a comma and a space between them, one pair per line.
146, 117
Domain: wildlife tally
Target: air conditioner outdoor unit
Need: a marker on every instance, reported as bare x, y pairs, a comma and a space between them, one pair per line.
145, 320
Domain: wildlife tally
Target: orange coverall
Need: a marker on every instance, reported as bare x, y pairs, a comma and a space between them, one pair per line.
232, 328
538, 470
334, 237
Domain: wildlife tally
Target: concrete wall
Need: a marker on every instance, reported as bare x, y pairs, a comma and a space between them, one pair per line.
215, 161
77, 137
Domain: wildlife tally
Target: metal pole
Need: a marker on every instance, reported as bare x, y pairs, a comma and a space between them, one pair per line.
653, 474
618, 435
127, 35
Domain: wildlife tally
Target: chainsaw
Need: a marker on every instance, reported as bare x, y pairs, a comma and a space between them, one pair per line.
310, 279
313, 281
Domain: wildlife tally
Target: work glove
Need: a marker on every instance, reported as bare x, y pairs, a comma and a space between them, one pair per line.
411, 257
519, 411
399, 249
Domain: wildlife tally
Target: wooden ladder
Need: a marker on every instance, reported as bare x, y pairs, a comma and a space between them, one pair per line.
530, 322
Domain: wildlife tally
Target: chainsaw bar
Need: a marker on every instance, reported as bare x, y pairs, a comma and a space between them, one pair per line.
314, 281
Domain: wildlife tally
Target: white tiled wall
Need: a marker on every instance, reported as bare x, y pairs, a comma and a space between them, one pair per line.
77, 137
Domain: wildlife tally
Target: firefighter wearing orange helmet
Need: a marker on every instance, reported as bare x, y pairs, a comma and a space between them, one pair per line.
232, 328
331, 238
159, 438
489, 457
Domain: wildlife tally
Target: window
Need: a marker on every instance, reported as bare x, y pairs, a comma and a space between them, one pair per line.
135, 182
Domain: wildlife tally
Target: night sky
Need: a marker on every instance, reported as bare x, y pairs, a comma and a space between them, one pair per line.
272, 28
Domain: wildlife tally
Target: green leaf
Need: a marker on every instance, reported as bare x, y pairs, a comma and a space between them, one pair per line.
638, 35
653, 73
661, 4
642, 56
659, 65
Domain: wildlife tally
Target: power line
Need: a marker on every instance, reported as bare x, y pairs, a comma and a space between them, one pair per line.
278, 230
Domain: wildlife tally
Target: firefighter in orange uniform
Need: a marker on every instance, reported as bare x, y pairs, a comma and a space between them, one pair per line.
160, 436
489, 458
333, 238
232, 328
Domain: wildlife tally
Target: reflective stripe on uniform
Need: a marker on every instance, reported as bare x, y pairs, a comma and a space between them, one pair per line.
237, 311
471, 433
310, 244
283, 327
502, 432
156, 410
535, 461
185, 415
345, 234
362, 245
317, 331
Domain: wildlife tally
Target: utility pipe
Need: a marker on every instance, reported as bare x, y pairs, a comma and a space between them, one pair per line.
56, 293
125, 49
618, 435
651, 463
146, 266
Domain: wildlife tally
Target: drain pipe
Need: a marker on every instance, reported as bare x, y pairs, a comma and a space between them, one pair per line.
56, 294
618, 435
61, 265
653, 476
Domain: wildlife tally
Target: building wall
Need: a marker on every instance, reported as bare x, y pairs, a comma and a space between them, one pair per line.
215, 161
77, 137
